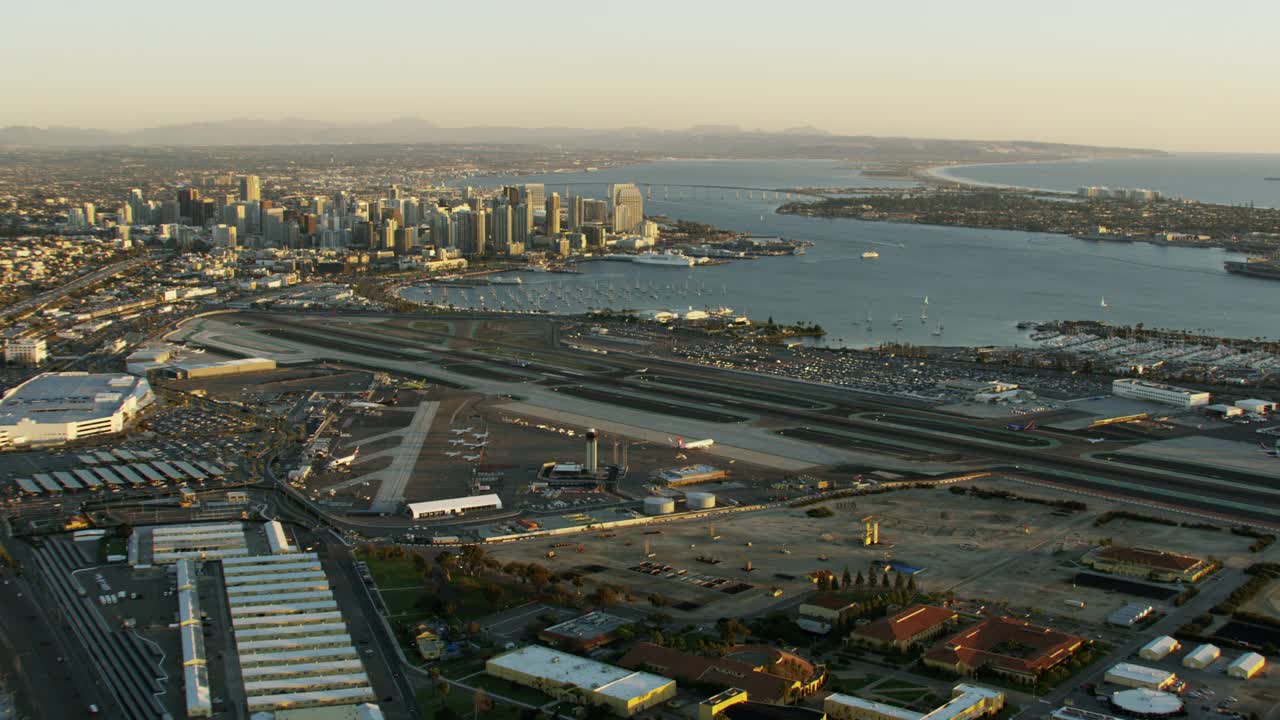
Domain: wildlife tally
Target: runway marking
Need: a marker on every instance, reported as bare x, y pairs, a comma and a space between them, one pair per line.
394, 478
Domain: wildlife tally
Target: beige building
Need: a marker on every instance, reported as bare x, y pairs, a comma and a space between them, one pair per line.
967, 702
578, 680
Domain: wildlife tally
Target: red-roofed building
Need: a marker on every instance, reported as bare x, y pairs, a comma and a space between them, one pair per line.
916, 624
1009, 647
830, 608
1145, 562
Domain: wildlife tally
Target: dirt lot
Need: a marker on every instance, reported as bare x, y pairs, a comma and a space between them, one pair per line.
990, 551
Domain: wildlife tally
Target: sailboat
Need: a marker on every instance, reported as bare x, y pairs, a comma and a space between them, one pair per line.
938, 331
1104, 304
924, 309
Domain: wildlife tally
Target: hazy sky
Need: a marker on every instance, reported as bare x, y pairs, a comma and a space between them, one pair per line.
1120, 72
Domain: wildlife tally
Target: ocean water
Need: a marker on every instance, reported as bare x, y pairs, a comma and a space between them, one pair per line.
980, 283
1225, 179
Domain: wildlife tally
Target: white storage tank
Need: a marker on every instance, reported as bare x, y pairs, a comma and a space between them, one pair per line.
700, 500
659, 506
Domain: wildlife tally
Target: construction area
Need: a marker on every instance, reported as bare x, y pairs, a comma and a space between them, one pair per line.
997, 553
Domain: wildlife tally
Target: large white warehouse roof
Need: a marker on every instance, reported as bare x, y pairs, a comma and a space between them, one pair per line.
567, 669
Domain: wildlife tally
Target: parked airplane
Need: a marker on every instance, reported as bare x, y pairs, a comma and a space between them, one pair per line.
480, 436
463, 430
474, 445
453, 454
343, 462
692, 445
1095, 441
457, 441
1021, 427
472, 457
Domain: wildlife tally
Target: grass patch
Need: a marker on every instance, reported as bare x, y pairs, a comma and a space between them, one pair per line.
461, 667
508, 689
900, 685
462, 703
393, 572
402, 602
903, 697
850, 685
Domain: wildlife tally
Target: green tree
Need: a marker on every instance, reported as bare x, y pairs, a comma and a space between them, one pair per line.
847, 579
859, 581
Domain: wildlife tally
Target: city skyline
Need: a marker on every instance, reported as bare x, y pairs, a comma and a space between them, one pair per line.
1138, 75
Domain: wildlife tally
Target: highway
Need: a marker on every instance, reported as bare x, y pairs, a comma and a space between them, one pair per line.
32, 304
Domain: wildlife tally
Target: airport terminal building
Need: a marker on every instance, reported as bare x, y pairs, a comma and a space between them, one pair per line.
57, 408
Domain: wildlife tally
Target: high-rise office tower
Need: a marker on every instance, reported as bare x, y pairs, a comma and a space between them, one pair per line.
553, 214
236, 215
575, 213
521, 224
621, 219
387, 241
90, 214
250, 188
187, 197
341, 202
478, 240
224, 236
405, 238
594, 211
273, 227
629, 196
393, 192
511, 194
534, 195
202, 211
501, 214
441, 229
168, 212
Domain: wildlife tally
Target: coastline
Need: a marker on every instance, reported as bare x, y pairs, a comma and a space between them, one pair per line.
940, 173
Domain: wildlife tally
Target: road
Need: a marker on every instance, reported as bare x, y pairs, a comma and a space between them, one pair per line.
1212, 591
33, 304
50, 674
385, 665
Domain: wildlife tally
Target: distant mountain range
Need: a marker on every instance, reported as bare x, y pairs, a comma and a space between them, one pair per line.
707, 141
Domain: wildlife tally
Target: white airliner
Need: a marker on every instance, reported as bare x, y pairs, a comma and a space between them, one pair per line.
480, 436
474, 445
692, 445
364, 405
463, 430
1095, 441
453, 454
344, 461
457, 441
472, 457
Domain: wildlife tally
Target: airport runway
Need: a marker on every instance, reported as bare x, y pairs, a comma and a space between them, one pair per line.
395, 479
1243, 498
